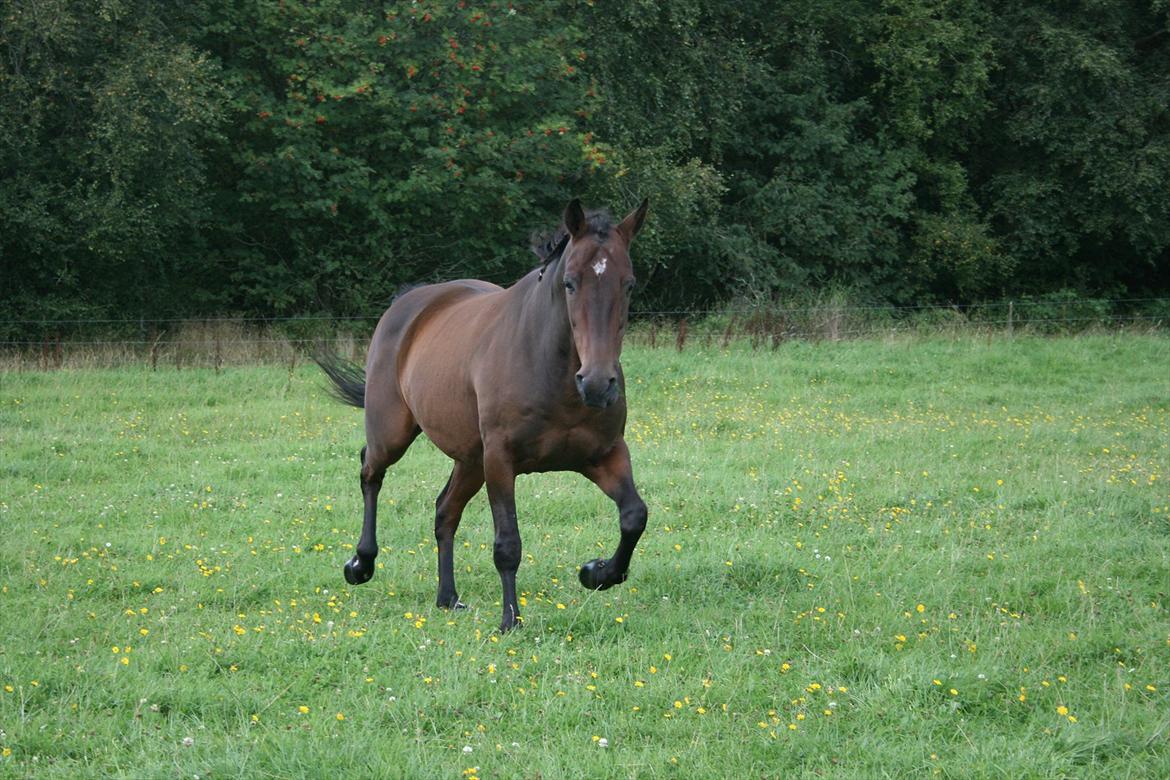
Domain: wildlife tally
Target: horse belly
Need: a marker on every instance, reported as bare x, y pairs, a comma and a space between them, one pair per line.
436, 385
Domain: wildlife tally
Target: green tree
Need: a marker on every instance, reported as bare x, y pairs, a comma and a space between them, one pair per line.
404, 143
1073, 163
104, 202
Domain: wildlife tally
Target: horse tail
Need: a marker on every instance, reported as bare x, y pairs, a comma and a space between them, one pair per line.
349, 379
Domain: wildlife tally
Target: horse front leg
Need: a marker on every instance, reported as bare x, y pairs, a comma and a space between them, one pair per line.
615, 477
501, 488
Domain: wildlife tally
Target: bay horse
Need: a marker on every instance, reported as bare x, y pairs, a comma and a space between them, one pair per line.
506, 382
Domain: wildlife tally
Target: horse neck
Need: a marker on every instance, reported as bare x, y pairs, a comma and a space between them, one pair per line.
544, 322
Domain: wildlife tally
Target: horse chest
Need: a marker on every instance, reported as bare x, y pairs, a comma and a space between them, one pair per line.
565, 448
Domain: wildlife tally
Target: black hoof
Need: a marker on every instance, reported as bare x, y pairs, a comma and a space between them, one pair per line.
595, 576
356, 571
452, 603
510, 620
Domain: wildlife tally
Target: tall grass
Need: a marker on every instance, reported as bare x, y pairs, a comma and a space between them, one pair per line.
896, 557
823, 315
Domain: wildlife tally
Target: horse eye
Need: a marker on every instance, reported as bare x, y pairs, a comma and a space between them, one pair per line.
570, 285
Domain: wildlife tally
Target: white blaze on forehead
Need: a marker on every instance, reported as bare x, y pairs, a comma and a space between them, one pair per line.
599, 266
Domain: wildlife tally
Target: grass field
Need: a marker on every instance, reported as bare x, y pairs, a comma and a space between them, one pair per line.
891, 558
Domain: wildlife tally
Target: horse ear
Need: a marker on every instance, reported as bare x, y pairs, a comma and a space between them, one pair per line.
574, 218
633, 223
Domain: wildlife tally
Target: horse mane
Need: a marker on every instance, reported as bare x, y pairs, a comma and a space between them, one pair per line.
549, 245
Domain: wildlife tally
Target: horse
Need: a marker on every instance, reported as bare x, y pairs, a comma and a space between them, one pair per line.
506, 381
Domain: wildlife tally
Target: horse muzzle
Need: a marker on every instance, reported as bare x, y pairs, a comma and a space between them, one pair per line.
598, 389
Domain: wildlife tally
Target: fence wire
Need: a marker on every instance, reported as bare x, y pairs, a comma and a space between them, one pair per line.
732, 310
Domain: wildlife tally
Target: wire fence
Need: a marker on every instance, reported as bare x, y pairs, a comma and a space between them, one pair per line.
45, 344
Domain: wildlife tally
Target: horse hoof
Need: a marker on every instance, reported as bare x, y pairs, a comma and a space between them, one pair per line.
454, 603
593, 575
356, 572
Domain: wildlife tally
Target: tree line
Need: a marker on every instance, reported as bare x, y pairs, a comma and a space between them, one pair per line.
284, 156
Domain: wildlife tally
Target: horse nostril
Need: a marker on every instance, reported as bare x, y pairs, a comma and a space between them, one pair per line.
580, 378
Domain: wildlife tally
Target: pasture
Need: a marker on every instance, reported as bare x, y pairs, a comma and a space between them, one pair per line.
905, 557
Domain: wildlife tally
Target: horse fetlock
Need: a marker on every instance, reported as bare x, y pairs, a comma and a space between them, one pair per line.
449, 601
510, 620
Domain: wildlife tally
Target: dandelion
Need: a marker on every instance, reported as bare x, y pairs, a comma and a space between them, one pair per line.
188, 741
303, 709
340, 716
1062, 710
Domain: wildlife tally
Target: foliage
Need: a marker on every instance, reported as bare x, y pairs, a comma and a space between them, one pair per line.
105, 117
284, 157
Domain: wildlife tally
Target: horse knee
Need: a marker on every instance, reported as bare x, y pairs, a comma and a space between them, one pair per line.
633, 517
444, 525
506, 553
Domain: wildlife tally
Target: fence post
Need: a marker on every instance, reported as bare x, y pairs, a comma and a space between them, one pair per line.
1011, 319
155, 336
681, 341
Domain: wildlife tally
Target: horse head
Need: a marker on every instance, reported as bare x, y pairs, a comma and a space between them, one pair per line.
598, 280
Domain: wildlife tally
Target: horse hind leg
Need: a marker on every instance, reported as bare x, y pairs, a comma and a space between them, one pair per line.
377, 456
464, 483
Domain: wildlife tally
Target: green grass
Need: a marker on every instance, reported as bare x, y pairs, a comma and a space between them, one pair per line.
864, 559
